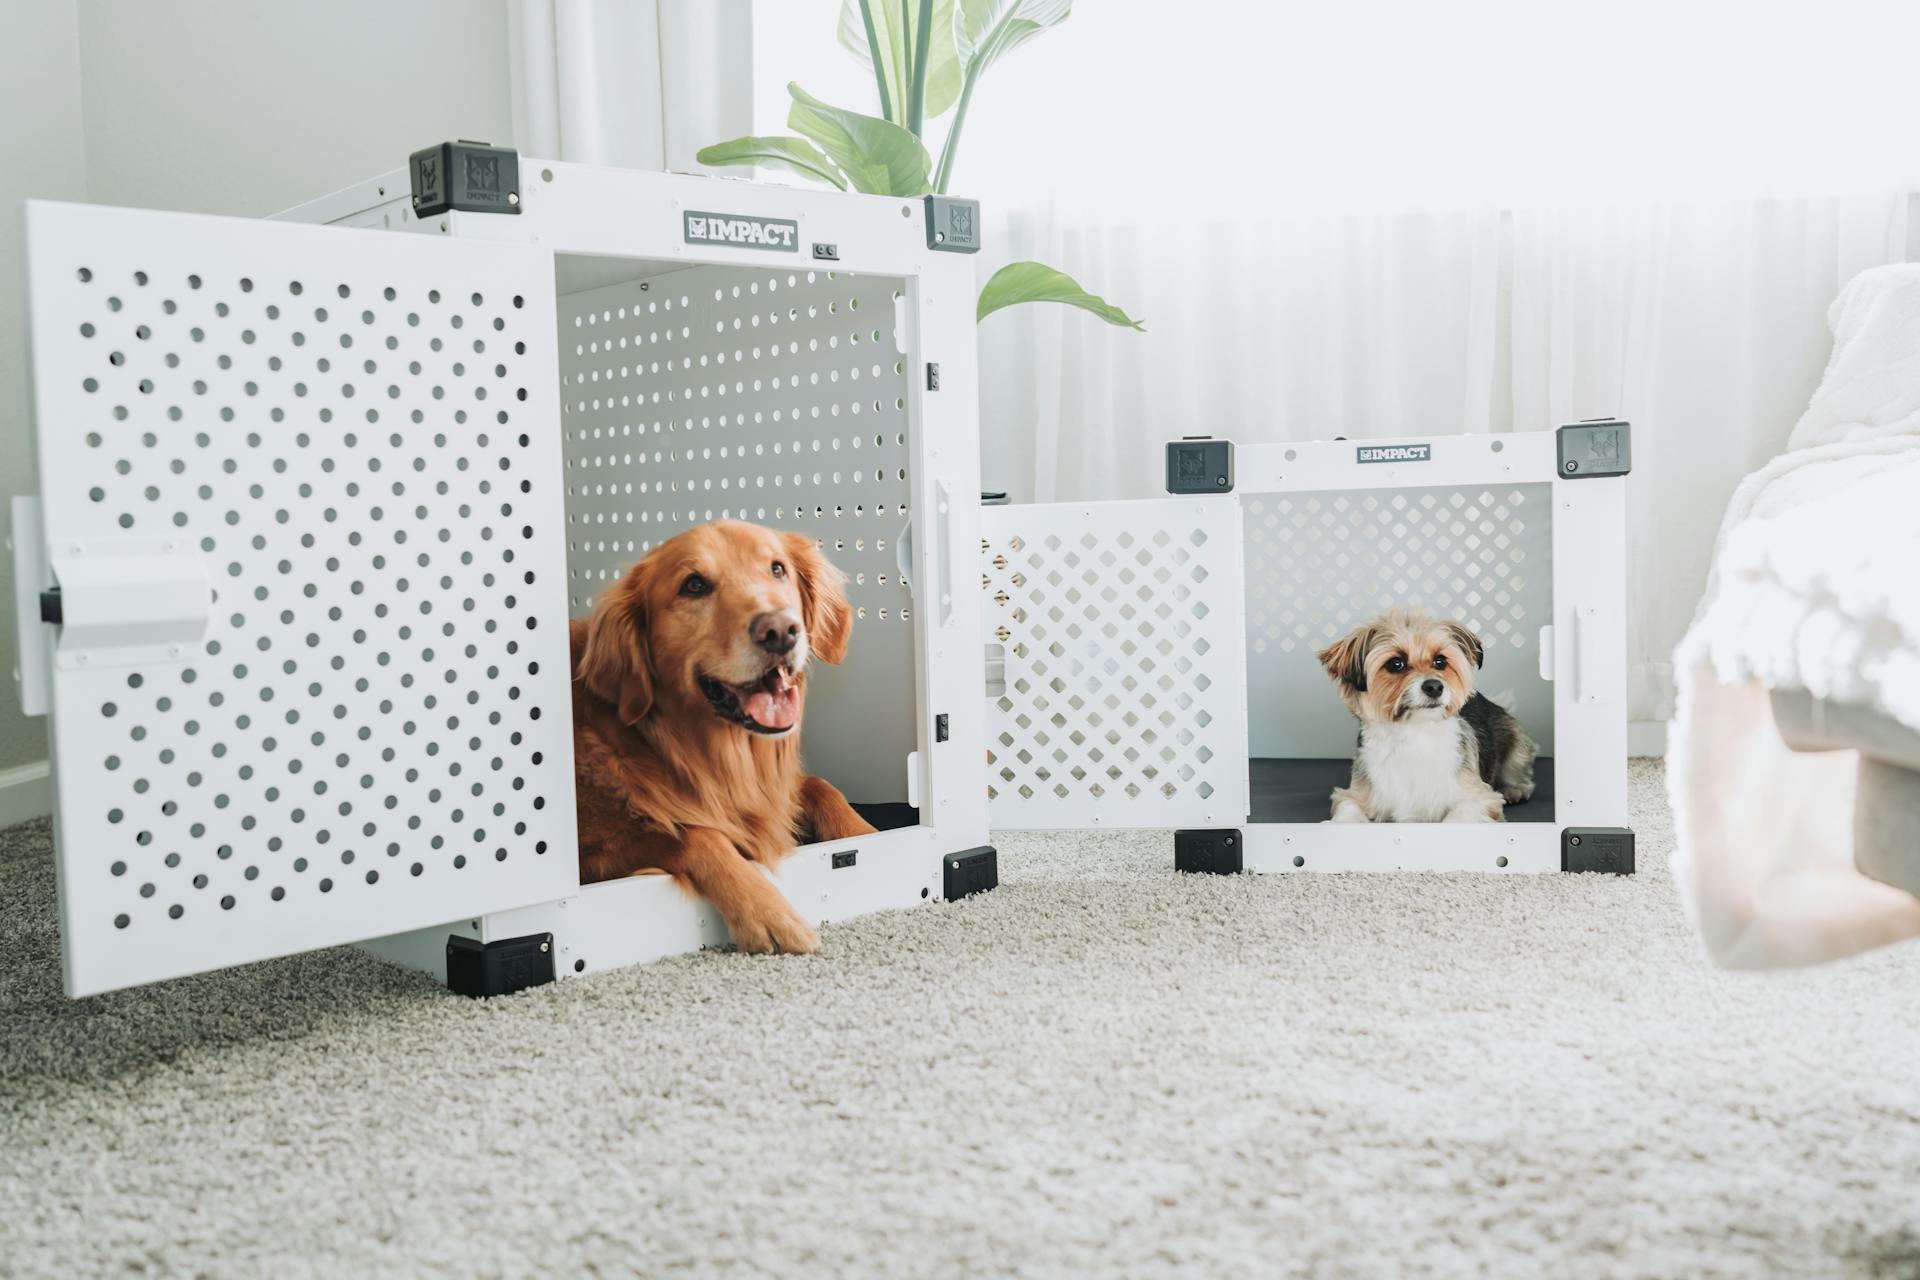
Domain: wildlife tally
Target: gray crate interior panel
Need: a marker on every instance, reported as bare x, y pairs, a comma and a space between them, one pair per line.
1318, 564
714, 392
1302, 790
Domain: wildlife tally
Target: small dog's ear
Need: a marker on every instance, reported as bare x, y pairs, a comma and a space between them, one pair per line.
1346, 658
1469, 643
824, 609
615, 664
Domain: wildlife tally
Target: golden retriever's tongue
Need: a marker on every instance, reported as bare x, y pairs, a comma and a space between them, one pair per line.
773, 704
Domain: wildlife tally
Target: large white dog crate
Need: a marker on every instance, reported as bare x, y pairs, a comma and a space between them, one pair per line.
1155, 660
316, 502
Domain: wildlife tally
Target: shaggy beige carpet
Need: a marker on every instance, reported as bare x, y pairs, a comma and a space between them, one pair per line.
1101, 1069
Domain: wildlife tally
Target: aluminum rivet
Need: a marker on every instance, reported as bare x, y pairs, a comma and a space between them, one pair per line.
513, 197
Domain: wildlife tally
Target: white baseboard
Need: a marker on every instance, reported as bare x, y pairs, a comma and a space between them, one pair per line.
1646, 737
26, 792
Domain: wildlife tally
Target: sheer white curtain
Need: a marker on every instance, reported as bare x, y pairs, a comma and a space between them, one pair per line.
1406, 218
1704, 325
642, 84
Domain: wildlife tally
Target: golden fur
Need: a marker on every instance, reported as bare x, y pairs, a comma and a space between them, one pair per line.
664, 781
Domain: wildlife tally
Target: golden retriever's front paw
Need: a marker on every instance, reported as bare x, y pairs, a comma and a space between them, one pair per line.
776, 926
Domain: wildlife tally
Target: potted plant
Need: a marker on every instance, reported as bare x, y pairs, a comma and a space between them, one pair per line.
928, 57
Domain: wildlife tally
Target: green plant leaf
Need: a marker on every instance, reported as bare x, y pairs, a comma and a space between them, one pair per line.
983, 32
943, 62
878, 156
1019, 282
796, 154
990, 29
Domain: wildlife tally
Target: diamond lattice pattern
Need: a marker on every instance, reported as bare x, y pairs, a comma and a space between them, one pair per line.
1123, 703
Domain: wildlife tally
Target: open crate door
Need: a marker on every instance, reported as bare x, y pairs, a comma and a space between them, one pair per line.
1124, 701
302, 502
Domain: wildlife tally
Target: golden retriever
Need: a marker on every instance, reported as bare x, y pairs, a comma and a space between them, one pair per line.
690, 679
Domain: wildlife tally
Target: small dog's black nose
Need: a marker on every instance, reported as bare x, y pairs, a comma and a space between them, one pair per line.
1432, 688
776, 632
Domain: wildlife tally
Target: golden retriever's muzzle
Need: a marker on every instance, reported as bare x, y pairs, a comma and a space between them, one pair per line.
770, 702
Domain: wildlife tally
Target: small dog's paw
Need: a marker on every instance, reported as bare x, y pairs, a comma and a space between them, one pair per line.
1476, 811
1516, 795
1347, 811
777, 927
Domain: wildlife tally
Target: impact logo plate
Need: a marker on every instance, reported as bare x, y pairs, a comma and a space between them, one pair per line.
1394, 453
782, 235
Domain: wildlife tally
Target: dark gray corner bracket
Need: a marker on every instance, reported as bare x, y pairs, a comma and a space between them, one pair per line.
971, 872
1594, 448
470, 177
1199, 464
498, 968
1608, 850
1218, 852
953, 225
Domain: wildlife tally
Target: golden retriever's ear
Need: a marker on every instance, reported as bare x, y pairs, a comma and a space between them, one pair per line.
1346, 658
614, 662
1469, 643
824, 610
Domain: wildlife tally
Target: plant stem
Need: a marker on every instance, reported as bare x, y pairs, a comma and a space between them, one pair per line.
917, 100
879, 67
953, 134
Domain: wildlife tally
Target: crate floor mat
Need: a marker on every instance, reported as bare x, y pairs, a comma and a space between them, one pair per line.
1298, 790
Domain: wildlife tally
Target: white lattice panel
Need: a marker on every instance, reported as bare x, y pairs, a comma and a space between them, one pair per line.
1320, 563
357, 433
1125, 701
780, 397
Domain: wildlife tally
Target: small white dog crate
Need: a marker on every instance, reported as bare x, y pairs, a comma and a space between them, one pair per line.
316, 503
1157, 659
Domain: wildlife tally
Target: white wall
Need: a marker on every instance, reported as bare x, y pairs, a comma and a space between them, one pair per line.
42, 153
218, 106
240, 107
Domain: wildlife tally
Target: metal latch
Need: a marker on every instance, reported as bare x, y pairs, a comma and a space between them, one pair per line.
996, 670
127, 601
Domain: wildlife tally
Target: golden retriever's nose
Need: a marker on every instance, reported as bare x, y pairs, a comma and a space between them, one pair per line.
776, 632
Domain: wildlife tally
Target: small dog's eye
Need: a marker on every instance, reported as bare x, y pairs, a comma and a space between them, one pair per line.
779, 570
695, 585
1439, 662
1396, 664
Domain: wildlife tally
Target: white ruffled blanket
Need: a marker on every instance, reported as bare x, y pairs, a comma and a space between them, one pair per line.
1815, 587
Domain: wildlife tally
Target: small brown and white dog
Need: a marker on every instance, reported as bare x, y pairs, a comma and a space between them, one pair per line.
690, 679
1431, 749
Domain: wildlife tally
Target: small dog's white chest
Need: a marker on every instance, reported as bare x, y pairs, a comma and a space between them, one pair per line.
1413, 769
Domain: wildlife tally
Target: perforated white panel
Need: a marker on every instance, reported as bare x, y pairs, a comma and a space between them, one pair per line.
356, 433
779, 397
1318, 564
1125, 702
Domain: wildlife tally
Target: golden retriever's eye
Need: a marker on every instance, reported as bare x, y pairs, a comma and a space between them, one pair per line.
695, 585
1439, 662
1396, 664
779, 570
